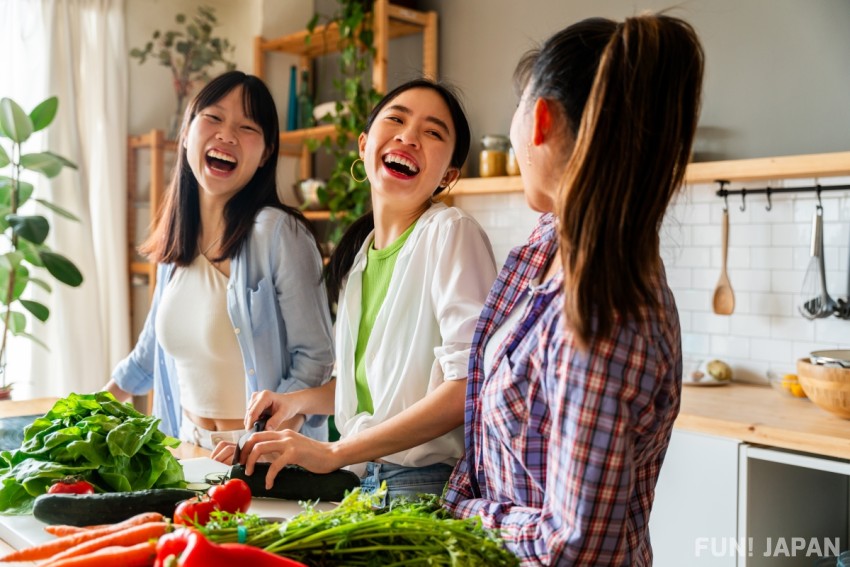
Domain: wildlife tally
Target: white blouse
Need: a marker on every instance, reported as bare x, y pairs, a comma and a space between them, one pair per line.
423, 331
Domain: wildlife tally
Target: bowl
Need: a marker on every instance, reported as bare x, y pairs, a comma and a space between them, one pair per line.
828, 387
786, 382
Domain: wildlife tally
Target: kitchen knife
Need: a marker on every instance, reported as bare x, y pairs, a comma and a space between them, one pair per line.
259, 425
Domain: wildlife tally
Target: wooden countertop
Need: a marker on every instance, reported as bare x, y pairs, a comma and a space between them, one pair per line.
751, 413
762, 415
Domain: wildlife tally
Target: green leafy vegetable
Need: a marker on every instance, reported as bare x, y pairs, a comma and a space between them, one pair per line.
94, 437
361, 532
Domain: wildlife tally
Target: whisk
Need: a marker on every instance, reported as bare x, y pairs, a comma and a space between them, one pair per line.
816, 302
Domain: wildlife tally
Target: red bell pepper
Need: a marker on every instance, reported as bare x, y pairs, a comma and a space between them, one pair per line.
189, 548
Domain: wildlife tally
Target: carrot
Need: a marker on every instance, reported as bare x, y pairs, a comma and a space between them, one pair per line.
139, 555
58, 545
138, 519
127, 537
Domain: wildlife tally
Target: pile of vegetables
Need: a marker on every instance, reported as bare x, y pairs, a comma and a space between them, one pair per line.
94, 438
360, 532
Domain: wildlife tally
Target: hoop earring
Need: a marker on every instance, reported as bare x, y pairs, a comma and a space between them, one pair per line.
353, 176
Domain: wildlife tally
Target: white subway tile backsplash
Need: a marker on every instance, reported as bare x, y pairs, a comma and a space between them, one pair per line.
787, 281
833, 330
710, 323
703, 279
769, 252
769, 350
771, 258
696, 344
789, 234
749, 325
791, 328
729, 346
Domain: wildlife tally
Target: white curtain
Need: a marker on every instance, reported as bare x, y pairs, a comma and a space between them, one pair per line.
83, 56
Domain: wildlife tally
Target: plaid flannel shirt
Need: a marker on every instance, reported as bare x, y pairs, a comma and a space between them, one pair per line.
564, 448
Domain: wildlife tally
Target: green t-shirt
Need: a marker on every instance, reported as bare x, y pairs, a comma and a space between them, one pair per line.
376, 280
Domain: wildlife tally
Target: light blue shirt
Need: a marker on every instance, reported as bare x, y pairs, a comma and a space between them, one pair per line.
279, 310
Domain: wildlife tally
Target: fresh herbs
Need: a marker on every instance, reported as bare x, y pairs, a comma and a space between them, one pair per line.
93, 437
407, 532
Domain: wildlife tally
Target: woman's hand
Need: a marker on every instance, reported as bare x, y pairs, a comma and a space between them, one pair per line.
287, 447
280, 408
223, 452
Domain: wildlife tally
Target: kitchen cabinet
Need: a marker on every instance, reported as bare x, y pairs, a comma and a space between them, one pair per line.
694, 517
752, 479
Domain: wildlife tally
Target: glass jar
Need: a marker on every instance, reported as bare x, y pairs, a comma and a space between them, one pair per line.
513, 165
493, 159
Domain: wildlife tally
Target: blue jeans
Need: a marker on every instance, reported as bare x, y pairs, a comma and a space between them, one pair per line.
405, 481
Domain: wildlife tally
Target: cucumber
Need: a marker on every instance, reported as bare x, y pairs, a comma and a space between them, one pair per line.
107, 507
296, 483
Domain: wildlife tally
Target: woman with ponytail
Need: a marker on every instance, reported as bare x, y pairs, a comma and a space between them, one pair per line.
575, 371
410, 277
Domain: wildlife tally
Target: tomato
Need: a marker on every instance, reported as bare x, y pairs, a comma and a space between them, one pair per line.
232, 496
71, 485
195, 511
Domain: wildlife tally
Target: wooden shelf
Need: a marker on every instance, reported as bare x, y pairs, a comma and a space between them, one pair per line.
140, 268
292, 142
317, 215
325, 39
760, 169
487, 186
757, 169
151, 139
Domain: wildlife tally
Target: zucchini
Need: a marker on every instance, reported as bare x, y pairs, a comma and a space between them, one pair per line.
296, 483
107, 507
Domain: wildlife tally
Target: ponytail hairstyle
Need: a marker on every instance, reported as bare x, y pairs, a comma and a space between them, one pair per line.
634, 136
352, 240
174, 238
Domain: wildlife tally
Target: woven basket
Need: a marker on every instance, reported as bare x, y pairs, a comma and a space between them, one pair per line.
827, 387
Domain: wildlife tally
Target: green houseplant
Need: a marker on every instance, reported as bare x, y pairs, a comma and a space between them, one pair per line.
189, 53
344, 196
24, 252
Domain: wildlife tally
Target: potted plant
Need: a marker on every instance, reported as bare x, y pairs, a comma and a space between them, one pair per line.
345, 197
24, 252
189, 53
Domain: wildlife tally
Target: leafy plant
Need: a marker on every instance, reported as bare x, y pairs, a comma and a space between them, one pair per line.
344, 196
189, 53
26, 233
94, 437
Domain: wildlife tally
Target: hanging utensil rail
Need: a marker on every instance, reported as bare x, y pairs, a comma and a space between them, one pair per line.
818, 189
841, 307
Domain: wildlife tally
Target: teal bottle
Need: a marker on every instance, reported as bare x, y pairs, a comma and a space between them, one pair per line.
305, 102
292, 108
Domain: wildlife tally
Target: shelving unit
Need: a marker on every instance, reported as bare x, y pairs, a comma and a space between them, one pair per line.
389, 21
756, 169
157, 146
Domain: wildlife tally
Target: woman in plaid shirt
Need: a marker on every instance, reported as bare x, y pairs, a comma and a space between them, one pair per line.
576, 364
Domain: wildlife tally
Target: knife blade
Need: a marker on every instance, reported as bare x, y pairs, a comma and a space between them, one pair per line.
259, 425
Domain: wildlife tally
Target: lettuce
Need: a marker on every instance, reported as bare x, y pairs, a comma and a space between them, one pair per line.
94, 437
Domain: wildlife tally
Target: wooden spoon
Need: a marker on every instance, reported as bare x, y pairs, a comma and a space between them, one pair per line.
724, 297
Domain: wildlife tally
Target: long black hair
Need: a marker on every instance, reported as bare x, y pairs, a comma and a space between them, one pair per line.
354, 237
175, 236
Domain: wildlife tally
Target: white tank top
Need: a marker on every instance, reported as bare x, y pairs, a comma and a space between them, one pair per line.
193, 326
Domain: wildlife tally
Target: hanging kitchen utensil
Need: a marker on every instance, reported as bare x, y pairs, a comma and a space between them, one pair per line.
814, 298
724, 297
843, 308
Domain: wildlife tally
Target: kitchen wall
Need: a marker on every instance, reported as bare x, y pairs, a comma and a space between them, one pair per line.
777, 73
768, 258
